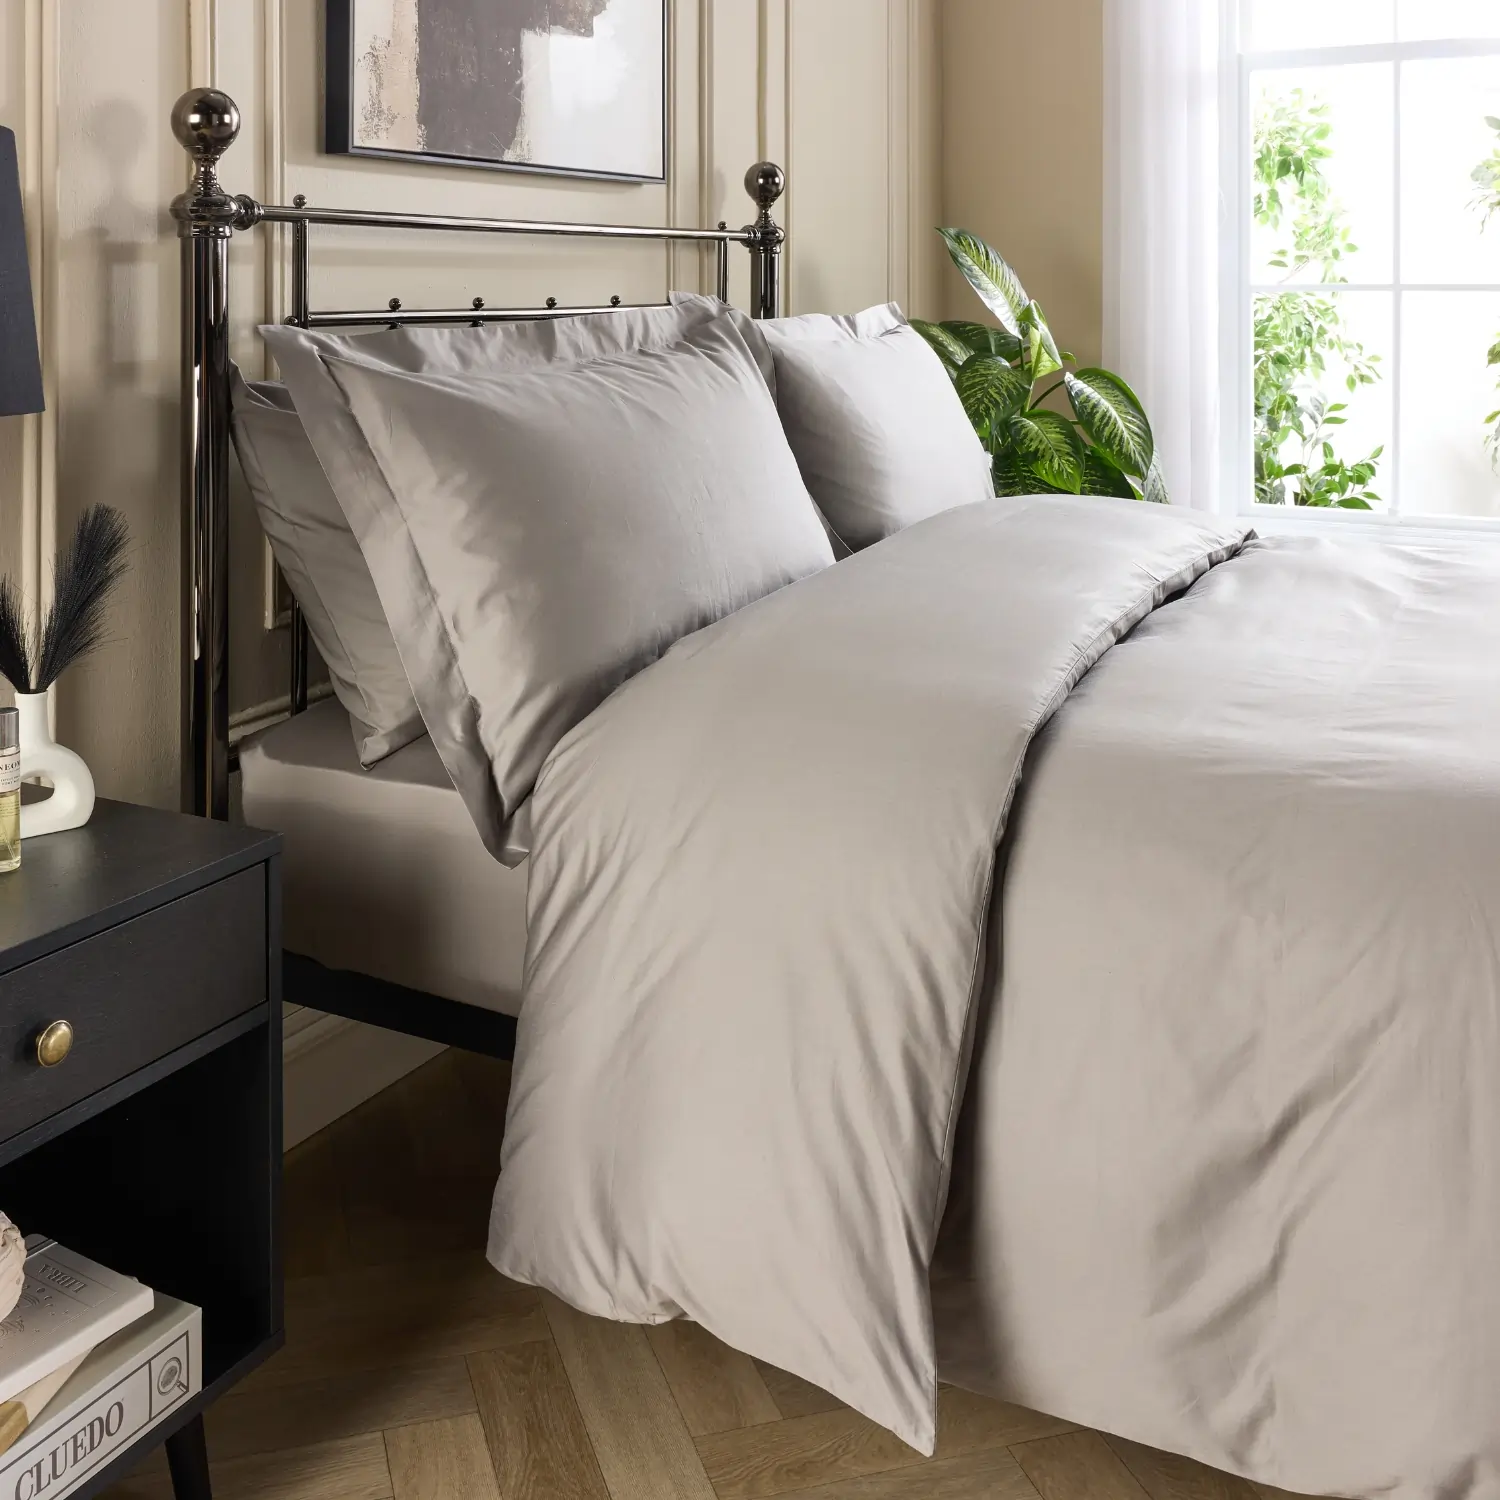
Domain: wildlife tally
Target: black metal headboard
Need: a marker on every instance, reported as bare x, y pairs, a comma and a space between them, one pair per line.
206, 122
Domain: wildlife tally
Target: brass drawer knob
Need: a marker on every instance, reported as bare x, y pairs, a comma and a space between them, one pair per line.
53, 1043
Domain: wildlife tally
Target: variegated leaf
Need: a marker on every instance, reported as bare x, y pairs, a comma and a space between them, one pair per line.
999, 287
1047, 443
1108, 410
989, 388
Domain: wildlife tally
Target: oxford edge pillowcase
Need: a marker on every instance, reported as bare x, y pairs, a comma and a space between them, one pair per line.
315, 548
879, 432
541, 534
312, 494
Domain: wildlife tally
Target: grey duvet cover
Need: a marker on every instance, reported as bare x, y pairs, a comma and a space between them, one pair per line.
1210, 1050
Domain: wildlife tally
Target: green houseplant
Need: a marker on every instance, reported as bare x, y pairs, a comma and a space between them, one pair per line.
1101, 444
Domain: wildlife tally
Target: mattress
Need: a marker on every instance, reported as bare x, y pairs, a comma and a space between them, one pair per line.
383, 871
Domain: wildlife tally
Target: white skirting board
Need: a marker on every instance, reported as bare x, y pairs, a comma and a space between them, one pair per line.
330, 1065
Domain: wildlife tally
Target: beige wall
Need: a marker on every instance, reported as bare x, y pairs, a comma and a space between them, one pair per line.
842, 92
1022, 151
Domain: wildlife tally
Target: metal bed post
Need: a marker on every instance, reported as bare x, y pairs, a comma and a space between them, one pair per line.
206, 122
765, 182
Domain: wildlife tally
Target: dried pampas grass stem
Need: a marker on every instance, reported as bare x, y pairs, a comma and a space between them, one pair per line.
86, 572
15, 655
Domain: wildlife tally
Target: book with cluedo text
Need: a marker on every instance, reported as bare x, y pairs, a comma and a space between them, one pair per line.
128, 1385
68, 1305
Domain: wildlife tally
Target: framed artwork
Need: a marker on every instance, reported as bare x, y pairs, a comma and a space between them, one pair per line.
573, 87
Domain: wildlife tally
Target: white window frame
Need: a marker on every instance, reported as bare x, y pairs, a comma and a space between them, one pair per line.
1237, 292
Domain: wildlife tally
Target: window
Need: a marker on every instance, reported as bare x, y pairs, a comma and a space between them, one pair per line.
1362, 296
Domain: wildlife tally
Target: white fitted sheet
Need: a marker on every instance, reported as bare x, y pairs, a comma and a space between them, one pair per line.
384, 872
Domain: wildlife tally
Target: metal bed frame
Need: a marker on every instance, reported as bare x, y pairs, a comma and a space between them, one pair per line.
206, 122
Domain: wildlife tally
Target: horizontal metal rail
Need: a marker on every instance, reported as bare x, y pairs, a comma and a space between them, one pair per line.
276, 213
386, 317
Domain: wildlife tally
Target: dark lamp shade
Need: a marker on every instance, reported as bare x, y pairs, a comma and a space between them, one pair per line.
20, 367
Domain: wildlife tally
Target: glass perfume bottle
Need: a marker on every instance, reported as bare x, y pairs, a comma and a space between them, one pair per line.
10, 789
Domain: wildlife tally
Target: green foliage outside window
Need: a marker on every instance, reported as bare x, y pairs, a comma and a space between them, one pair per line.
1487, 178
1296, 332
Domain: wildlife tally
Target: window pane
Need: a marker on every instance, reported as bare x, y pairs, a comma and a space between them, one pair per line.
1445, 141
1308, 346
1428, 20
1447, 391
1322, 174
1276, 24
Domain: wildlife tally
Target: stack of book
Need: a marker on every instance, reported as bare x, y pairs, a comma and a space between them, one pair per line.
89, 1359
67, 1306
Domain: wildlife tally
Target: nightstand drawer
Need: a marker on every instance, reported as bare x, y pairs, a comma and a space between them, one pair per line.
131, 994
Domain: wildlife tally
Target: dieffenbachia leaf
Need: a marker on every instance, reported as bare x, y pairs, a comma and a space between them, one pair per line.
1107, 409
998, 286
1014, 478
952, 351
1154, 485
990, 388
1047, 443
1100, 477
1042, 357
983, 338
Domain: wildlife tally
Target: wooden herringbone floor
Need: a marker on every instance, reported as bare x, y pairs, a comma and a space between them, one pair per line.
413, 1371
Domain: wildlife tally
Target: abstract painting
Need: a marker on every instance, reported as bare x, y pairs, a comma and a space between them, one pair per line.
568, 86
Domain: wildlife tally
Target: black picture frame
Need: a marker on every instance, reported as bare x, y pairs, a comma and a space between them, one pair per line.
338, 110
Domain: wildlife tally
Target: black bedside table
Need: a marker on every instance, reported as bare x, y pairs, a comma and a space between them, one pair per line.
154, 1146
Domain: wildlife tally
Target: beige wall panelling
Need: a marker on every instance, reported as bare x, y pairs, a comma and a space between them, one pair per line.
356, 268
686, 266
772, 116
862, 129
28, 445
14, 75
115, 371
913, 139
1023, 151
732, 114
839, 97
922, 80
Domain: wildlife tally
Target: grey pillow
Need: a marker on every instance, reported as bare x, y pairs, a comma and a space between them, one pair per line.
537, 535
315, 548
308, 522
879, 432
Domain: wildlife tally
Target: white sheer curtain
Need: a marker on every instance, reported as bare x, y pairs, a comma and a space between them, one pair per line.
1162, 225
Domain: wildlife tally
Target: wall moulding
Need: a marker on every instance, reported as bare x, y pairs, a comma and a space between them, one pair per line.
38, 143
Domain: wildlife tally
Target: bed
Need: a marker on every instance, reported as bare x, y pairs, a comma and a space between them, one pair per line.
1055, 947
387, 916
384, 878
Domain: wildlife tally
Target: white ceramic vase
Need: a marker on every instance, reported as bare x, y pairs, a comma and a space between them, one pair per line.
72, 799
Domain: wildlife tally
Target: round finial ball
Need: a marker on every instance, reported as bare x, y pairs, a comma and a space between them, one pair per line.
205, 122
765, 182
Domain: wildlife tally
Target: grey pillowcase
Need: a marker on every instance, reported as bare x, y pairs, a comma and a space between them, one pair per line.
879, 432
315, 548
538, 535
311, 498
